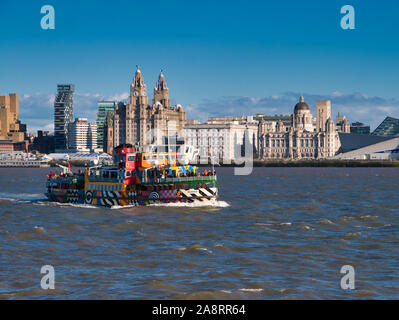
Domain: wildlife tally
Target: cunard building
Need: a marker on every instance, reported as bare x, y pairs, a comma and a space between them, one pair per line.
304, 137
140, 123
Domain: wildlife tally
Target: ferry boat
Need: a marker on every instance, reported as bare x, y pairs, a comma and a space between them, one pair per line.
134, 179
22, 159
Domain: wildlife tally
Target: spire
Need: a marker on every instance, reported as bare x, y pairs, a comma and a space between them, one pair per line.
161, 83
137, 88
138, 80
301, 99
161, 91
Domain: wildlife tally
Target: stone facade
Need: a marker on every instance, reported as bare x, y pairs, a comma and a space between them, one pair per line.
301, 139
225, 138
142, 124
10, 126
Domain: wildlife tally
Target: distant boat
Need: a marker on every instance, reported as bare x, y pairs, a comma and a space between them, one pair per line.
22, 159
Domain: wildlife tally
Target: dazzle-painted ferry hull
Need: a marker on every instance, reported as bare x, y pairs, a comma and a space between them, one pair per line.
132, 198
135, 179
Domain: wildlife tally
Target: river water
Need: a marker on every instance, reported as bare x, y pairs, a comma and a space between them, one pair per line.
280, 233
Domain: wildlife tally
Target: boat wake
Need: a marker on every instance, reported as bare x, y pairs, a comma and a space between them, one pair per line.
40, 199
22, 197
196, 204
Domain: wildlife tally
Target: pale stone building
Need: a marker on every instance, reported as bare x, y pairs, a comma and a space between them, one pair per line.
142, 124
82, 135
343, 124
304, 138
226, 139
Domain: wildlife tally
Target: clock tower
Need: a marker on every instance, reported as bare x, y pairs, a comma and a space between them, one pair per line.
136, 110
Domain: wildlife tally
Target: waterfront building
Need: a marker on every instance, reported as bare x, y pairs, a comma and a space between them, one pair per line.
63, 114
140, 123
342, 124
9, 145
353, 141
303, 138
224, 139
104, 107
10, 126
272, 120
384, 150
82, 135
43, 142
388, 128
360, 128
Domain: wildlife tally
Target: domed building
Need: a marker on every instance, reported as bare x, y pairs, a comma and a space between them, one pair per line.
302, 118
303, 138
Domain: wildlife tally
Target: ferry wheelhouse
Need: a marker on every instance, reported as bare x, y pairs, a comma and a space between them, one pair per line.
134, 179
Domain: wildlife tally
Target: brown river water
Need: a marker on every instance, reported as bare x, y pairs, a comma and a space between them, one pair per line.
279, 233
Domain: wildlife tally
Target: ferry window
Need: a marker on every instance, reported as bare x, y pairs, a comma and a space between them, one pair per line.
113, 174
154, 157
105, 174
161, 157
147, 157
131, 158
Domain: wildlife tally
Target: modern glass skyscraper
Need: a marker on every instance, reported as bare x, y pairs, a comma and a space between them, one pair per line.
103, 108
63, 114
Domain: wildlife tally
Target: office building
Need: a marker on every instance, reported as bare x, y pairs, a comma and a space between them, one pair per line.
360, 128
104, 107
10, 127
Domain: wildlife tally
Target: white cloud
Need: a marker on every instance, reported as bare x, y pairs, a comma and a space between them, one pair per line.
355, 106
36, 110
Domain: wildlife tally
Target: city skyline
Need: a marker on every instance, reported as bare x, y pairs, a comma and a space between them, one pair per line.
229, 59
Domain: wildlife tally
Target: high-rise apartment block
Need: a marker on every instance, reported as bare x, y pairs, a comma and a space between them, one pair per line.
82, 135
63, 114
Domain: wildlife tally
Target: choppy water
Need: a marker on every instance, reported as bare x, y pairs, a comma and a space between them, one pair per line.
284, 233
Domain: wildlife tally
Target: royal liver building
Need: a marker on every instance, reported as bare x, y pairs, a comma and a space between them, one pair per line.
303, 136
142, 124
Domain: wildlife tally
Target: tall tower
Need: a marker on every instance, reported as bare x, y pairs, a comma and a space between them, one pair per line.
161, 92
104, 107
323, 112
63, 114
108, 144
136, 117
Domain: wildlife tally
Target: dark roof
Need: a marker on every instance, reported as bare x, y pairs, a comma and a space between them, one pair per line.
301, 106
353, 141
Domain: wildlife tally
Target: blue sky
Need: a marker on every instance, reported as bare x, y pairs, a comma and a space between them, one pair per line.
219, 57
